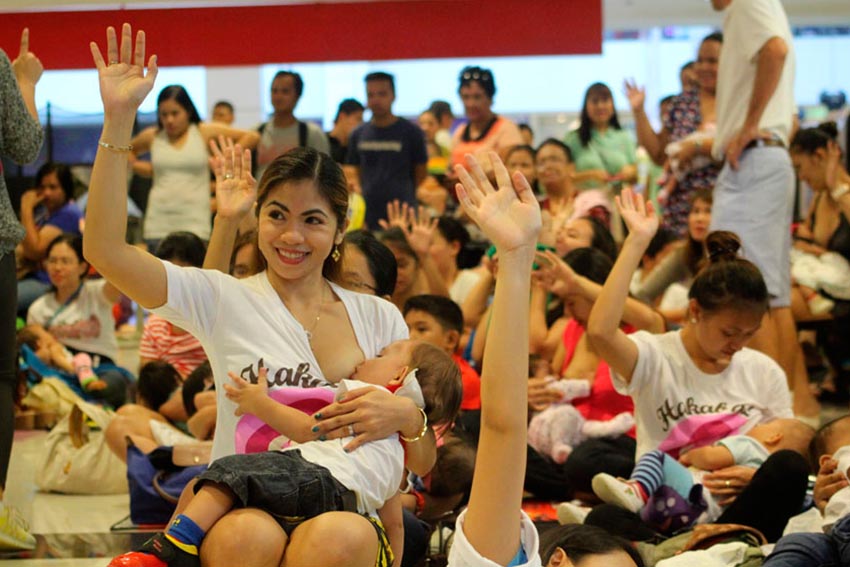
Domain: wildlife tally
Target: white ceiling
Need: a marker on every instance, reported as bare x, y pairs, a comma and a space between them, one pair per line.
618, 14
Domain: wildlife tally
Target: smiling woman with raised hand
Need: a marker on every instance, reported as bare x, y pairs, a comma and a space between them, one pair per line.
288, 319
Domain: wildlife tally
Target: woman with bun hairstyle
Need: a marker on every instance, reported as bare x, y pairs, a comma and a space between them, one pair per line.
694, 386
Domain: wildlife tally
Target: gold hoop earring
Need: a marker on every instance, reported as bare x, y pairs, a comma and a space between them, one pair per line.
335, 254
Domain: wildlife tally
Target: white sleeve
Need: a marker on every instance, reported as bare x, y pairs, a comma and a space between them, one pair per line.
648, 365
762, 23
462, 553
193, 299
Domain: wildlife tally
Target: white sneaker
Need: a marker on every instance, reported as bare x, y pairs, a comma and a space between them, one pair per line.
612, 490
14, 534
569, 513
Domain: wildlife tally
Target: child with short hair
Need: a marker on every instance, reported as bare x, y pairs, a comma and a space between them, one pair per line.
830, 452
439, 320
668, 493
304, 480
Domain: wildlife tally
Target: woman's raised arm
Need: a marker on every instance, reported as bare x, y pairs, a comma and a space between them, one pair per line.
603, 327
510, 217
123, 86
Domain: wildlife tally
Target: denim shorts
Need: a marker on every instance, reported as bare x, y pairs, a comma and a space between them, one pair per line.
281, 483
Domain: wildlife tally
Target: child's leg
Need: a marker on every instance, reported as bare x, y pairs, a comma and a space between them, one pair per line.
208, 505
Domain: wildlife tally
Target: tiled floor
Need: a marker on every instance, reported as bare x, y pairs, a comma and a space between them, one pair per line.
72, 531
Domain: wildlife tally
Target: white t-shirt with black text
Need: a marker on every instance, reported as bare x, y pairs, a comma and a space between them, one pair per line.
243, 325
679, 407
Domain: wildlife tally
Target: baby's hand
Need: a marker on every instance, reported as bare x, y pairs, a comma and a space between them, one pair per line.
247, 396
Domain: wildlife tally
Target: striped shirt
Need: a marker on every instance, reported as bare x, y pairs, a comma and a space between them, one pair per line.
160, 342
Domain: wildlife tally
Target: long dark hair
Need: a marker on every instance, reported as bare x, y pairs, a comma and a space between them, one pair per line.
379, 258
63, 175
728, 281
695, 251
585, 128
307, 164
178, 94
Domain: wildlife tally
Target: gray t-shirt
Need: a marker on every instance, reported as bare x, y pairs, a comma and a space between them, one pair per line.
276, 141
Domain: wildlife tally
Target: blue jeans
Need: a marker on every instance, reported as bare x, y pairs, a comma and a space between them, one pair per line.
814, 550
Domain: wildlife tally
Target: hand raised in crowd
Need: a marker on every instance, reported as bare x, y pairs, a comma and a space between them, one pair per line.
635, 94
418, 229
247, 396
555, 275
235, 187
123, 81
26, 65
638, 214
509, 214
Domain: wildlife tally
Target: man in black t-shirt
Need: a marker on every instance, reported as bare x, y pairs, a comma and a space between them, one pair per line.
388, 152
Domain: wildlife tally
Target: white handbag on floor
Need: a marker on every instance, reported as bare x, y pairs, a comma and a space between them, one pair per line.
76, 459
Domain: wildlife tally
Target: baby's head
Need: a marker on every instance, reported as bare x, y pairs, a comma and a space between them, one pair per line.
436, 372
785, 433
37, 339
829, 438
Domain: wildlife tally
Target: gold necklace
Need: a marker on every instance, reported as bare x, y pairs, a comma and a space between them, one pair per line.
309, 332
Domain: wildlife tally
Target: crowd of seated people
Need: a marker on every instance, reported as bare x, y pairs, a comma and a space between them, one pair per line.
601, 347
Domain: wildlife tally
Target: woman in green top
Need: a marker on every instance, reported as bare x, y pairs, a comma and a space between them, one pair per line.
603, 152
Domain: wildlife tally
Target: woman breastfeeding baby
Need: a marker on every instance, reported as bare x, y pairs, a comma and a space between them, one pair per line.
305, 331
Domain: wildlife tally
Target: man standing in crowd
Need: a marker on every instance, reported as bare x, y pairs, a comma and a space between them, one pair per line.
284, 132
754, 192
388, 152
349, 116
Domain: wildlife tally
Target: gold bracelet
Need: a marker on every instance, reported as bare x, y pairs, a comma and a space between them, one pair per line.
421, 433
113, 148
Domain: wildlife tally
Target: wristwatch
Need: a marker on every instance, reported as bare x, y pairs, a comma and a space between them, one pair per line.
839, 191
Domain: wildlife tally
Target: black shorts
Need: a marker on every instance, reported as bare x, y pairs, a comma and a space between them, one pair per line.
281, 483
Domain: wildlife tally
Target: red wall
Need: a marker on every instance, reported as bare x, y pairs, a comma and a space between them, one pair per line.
321, 32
